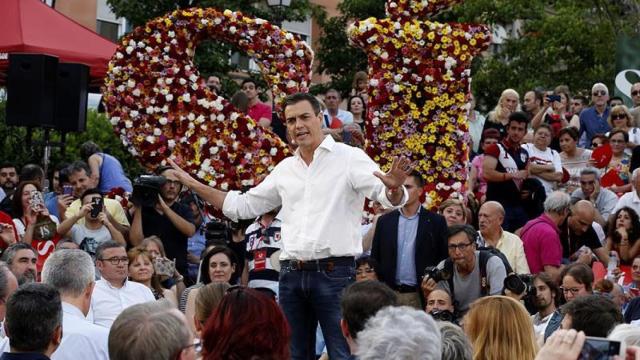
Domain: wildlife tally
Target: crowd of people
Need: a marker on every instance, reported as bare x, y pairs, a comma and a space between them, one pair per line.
541, 250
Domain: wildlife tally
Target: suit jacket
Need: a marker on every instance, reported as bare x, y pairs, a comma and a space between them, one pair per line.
430, 248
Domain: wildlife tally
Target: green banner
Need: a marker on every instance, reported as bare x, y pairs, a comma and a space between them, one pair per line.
627, 66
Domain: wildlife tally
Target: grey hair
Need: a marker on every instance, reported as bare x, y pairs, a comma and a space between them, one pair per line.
144, 327
600, 86
590, 171
634, 176
70, 271
627, 333
455, 344
557, 202
10, 252
400, 333
4, 279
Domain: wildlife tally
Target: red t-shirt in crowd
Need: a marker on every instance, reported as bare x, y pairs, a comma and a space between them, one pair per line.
541, 241
260, 110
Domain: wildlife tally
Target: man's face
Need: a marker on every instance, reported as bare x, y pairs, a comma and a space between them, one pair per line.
114, 265
304, 126
81, 182
8, 178
599, 96
213, 82
461, 249
439, 300
23, 266
576, 106
530, 103
635, 94
544, 296
332, 100
542, 138
171, 188
588, 184
489, 219
414, 190
250, 90
580, 222
516, 131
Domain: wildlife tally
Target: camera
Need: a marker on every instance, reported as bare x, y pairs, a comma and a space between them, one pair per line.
520, 284
437, 274
146, 189
443, 315
216, 233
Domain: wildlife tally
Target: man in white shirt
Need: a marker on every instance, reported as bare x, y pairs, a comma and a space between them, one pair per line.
332, 100
603, 199
490, 219
72, 273
321, 189
632, 198
114, 293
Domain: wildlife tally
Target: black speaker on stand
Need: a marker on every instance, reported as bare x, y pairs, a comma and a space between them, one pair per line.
72, 84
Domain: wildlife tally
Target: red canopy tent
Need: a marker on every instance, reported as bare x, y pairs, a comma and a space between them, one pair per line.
30, 26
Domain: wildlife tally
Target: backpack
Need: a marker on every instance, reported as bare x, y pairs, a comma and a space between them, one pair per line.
486, 253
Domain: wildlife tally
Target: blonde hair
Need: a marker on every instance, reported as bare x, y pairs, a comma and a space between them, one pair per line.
497, 111
208, 298
453, 202
621, 109
499, 327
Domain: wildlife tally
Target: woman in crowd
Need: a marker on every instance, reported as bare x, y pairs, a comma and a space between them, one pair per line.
544, 162
499, 327
106, 170
246, 325
499, 117
454, 212
477, 183
154, 246
598, 140
366, 269
220, 267
141, 270
359, 85
577, 280
623, 234
476, 124
209, 296
357, 107
620, 118
620, 161
555, 114
573, 158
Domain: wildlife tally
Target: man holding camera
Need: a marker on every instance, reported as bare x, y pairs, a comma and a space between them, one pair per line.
168, 219
468, 279
97, 227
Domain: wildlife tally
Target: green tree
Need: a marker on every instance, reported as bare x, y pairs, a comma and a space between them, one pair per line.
568, 42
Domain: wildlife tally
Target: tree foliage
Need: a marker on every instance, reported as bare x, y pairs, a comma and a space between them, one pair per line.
568, 42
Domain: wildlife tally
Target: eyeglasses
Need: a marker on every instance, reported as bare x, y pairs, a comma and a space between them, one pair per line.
618, 116
116, 260
595, 144
599, 93
197, 346
635, 93
364, 271
573, 291
460, 247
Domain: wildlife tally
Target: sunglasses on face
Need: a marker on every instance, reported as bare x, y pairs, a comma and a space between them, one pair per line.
635, 93
618, 116
599, 93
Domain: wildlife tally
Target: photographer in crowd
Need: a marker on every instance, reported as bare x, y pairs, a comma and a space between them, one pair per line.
467, 274
165, 217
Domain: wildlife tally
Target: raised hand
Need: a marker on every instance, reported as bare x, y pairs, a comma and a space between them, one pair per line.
401, 167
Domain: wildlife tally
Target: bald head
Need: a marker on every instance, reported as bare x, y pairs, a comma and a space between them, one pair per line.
494, 207
582, 216
490, 217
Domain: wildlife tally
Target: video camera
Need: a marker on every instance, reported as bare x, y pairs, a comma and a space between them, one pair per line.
520, 284
443, 315
146, 189
437, 274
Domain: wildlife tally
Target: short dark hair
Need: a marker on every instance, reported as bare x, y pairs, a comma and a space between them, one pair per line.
78, 166
571, 131
543, 126
111, 244
31, 172
616, 131
88, 192
34, 312
298, 97
247, 81
519, 117
615, 98
551, 284
362, 300
8, 165
89, 148
580, 272
418, 177
369, 260
596, 315
471, 233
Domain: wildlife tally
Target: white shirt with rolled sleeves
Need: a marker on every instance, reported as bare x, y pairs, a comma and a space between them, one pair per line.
80, 338
107, 302
322, 203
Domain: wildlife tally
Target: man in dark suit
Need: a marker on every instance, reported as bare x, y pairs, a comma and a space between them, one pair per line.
406, 241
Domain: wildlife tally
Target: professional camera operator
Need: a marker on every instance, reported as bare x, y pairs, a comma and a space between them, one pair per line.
168, 219
467, 274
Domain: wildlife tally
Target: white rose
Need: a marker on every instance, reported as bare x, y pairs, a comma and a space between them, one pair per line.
129, 49
163, 121
157, 132
169, 97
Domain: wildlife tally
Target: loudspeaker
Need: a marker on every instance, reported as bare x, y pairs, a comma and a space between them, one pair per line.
72, 93
31, 90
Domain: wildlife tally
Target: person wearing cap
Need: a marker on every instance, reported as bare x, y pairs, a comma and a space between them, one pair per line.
593, 120
169, 219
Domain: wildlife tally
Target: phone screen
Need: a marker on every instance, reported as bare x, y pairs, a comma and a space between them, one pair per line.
67, 190
599, 349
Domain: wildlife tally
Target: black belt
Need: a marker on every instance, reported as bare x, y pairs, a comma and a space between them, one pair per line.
403, 289
326, 264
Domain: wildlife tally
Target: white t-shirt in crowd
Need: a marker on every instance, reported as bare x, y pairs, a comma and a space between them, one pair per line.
547, 157
80, 338
88, 239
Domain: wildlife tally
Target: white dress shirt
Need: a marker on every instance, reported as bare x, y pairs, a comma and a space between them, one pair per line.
80, 338
630, 199
107, 302
322, 204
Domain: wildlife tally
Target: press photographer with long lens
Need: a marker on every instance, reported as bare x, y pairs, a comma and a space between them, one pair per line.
468, 273
157, 212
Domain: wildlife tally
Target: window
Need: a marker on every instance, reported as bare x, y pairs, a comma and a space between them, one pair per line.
108, 29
